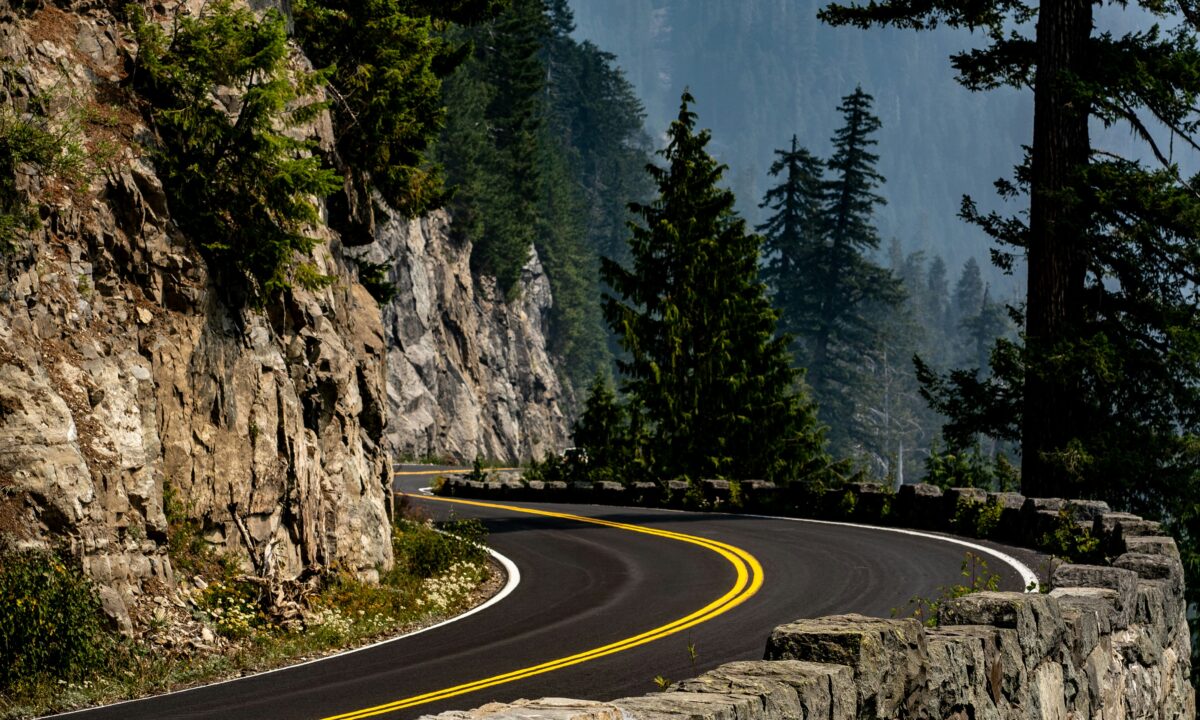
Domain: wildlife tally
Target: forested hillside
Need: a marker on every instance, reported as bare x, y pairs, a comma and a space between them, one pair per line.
763, 71
544, 146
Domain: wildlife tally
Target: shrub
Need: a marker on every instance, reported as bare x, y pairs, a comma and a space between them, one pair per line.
976, 519
1070, 541
186, 546
50, 146
51, 623
969, 467
421, 550
239, 183
848, 505
234, 607
978, 578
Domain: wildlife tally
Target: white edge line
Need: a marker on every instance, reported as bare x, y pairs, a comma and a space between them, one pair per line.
510, 569
514, 578
1028, 576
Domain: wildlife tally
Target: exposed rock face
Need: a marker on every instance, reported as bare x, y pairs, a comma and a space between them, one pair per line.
468, 373
122, 371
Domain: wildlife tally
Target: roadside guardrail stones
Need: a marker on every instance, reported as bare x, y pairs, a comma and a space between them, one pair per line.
1109, 641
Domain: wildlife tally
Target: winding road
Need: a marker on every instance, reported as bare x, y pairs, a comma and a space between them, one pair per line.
609, 599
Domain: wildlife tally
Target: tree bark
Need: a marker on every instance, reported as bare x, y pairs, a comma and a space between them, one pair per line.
1056, 254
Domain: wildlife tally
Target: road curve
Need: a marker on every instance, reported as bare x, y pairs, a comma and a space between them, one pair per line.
586, 586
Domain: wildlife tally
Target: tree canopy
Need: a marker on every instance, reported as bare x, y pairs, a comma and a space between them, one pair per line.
705, 367
821, 238
1104, 393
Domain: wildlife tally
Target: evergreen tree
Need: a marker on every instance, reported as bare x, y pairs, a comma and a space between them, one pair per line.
576, 330
388, 60
792, 235
1105, 393
514, 117
585, 162
241, 187
836, 321
705, 366
968, 294
937, 306
603, 429
1082, 206
594, 147
490, 147
981, 329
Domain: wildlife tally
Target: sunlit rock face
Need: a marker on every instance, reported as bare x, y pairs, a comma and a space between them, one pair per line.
468, 372
125, 374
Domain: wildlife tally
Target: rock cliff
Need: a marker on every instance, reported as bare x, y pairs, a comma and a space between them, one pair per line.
124, 375
469, 374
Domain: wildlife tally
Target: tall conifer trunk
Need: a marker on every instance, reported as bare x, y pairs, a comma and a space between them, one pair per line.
1056, 255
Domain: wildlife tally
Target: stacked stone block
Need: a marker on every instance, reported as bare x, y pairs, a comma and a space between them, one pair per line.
1109, 642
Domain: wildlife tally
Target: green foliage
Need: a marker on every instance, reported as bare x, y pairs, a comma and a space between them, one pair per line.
1070, 540
848, 505
186, 546
976, 519
388, 59
33, 139
374, 277
543, 146
239, 183
551, 468
603, 429
424, 552
707, 377
234, 607
51, 624
490, 147
969, 468
977, 577
478, 472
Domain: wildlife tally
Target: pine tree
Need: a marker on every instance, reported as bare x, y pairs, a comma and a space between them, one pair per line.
792, 235
1083, 206
388, 60
837, 321
968, 294
241, 187
603, 430
533, 105
936, 307
490, 147
1104, 395
593, 152
705, 367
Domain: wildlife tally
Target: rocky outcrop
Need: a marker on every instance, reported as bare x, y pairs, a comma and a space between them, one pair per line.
123, 374
468, 372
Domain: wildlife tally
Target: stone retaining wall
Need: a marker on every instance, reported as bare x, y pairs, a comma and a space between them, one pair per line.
1109, 641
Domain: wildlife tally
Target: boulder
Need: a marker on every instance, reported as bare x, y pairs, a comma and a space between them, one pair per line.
920, 506
797, 689
889, 658
1121, 581
1035, 617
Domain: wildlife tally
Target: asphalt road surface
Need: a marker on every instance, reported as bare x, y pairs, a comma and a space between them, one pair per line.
586, 586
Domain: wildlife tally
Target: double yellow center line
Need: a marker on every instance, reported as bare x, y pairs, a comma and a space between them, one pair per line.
749, 580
